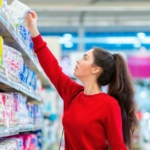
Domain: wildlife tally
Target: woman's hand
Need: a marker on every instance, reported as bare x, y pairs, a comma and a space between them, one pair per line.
31, 20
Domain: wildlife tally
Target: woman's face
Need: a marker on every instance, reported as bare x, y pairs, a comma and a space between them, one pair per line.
84, 66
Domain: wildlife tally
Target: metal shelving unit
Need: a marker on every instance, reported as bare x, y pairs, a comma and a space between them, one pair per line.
15, 130
9, 85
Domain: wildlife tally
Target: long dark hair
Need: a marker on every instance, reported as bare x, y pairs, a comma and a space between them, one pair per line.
116, 75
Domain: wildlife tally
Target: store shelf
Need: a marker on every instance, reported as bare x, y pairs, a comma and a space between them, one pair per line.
12, 39
37, 127
15, 130
9, 132
4, 133
30, 127
10, 86
26, 128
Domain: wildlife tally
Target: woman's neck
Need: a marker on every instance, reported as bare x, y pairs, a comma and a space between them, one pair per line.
91, 88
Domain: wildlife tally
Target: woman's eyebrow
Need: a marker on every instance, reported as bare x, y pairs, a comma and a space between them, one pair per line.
86, 55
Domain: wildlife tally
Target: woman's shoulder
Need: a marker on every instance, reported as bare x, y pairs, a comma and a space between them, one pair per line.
110, 100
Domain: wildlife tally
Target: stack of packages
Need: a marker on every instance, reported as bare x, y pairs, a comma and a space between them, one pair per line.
11, 61
15, 15
22, 142
16, 112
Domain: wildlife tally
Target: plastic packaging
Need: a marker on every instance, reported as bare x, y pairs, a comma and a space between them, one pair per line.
1, 3
19, 11
16, 112
8, 110
3, 121
11, 144
12, 61
18, 71
25, 35
1, 51
28, 77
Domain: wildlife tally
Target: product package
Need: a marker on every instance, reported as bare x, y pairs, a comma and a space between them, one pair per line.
23, 112
12, 143
30, 141
8, 109
1, 52
4, 122
15, 13
39, 135
38, 116
16, 112
19, 11
1, 3
28, 77
25, 35
12, 61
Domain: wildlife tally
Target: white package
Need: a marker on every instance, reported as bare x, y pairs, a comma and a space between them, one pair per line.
19, 11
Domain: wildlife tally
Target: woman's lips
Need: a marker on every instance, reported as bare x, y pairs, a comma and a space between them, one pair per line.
76, 68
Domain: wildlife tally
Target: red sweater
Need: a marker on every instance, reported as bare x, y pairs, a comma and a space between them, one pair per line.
90, 121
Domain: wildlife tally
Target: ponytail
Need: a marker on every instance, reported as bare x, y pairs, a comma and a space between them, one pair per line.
121, 89
116, 75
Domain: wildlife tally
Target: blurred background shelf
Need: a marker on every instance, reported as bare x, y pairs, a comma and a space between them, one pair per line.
15, 130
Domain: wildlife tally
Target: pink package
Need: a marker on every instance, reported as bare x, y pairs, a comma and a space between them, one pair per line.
6, 110
15, 61
2, 111
12, 60
9, 112
30, 141
20, 141
5, 57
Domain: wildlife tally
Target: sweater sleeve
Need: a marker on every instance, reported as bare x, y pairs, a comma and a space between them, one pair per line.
66, 87
113, 127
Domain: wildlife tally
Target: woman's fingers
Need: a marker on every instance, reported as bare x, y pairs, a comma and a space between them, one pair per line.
33, 14
28, 16
31, 20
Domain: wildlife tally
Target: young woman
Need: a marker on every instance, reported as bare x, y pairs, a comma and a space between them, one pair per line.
92, 119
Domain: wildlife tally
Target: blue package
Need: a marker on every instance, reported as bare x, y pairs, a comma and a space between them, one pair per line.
39, 135
31, 45
29, 77
26, 74
33, 81
16, 100
22, 73
26, 37
30, 113
35, 111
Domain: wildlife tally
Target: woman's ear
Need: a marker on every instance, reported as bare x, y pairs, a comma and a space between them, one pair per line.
96, 70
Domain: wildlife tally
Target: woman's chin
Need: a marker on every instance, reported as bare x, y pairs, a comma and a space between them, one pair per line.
75, 74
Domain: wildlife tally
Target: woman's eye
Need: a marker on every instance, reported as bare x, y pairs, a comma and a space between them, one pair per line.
84, 58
